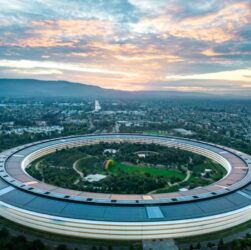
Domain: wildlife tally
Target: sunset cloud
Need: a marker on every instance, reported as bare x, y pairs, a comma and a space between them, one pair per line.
27, 64
129, 44
217, 27
72, 28
243, 75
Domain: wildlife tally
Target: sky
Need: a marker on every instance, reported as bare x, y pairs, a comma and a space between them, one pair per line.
183, 45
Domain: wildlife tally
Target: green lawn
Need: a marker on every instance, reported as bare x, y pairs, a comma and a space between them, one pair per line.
90, 161
141, 170
92, 164
57, 169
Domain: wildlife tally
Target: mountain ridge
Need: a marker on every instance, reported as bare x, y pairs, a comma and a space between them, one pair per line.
60, 88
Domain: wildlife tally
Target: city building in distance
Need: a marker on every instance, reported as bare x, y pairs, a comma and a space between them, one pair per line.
97, 106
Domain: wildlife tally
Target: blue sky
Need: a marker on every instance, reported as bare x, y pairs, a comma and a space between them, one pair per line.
186, 45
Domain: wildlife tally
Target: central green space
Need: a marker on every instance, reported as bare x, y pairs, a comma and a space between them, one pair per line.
157, 172
133, 168
117, 168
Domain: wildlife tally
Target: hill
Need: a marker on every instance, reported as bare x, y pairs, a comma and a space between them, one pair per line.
37, 88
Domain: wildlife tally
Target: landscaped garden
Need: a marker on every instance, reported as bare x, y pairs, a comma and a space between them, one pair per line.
129, 169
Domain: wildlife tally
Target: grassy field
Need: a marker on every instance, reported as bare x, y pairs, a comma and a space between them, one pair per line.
163, 173
90, 165
93, 165
141, 170
90, 162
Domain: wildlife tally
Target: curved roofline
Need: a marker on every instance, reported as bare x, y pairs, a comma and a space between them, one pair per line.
237, 164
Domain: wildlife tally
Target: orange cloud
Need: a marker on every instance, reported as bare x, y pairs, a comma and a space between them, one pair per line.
216, 34
217, 27
58, 33
44, 42
131, 52
236, 13
137, 62
149, 57
72, 28
209, 52
166, 27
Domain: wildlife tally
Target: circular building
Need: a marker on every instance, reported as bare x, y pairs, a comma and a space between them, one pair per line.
27, 201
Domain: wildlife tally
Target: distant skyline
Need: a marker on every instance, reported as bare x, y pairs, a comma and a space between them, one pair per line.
181, 45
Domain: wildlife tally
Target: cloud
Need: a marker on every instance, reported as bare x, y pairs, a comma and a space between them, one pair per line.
218, 26
119, 10
243, 75
61, 33
27, 64
207, 86
72, 28
36, 71
129, 44
210, 52
146, 57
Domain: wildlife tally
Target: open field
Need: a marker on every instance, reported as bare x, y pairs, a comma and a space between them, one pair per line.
93, 164
141, 170
165, 171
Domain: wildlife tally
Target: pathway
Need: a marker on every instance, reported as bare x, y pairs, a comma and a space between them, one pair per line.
77, 171
39, 170
188, 175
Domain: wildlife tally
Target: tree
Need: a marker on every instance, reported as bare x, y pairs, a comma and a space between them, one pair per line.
210, 245
198, 246
4, 233
61, 247
37, 245
221, 244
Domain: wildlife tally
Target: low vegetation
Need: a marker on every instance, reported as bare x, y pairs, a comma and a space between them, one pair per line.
137, 169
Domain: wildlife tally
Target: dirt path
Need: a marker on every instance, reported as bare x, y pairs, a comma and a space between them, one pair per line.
187, 177
188, 174
39, 170
37, 166
81, 175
